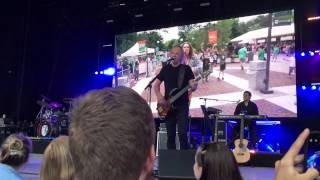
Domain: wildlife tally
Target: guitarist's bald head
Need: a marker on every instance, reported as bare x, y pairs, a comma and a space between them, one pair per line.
177, 54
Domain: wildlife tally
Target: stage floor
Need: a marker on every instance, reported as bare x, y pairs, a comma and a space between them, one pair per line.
31, 170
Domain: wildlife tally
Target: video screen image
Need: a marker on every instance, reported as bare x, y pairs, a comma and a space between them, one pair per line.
233, 51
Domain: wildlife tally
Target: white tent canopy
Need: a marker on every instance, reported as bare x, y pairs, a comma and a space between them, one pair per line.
263, 33
134, 51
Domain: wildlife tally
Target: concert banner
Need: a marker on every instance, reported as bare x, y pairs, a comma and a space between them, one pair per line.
212, 37
142, 46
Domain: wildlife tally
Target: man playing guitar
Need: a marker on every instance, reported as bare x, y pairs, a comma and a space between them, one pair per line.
176, 76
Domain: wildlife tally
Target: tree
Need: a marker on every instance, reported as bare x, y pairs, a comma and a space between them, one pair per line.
153, 39
238, 28
224, 31
125, 41
170, 44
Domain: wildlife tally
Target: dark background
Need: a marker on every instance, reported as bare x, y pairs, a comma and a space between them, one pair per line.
53, 47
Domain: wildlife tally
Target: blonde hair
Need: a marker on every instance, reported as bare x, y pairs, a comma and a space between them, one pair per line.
57, 163
15, 150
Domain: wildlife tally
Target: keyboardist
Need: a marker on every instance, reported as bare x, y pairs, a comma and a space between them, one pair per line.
247, 107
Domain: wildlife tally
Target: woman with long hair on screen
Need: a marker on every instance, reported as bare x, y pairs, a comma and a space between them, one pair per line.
57, 163
192, 61
15, 152
215, 161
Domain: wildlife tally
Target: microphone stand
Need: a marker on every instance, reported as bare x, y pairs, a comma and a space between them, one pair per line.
206, 121
211, 99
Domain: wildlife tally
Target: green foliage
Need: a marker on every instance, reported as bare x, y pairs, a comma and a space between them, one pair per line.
126, 41
170, 44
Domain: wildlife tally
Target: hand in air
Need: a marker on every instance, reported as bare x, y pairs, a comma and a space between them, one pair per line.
285, 168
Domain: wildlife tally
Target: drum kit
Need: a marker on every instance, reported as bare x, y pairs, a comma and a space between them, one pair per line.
53, 117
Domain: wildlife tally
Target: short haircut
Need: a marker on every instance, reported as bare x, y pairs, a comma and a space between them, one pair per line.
111, 134
248, 92
15, 150
217, 162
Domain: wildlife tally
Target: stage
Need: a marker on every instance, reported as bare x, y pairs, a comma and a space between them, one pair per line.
31, 170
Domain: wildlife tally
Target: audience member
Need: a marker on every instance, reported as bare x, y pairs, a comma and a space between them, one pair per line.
285, 168
112, 135
57, 163
15, 152
215, 161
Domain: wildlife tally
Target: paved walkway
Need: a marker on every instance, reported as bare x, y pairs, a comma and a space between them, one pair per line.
281, 103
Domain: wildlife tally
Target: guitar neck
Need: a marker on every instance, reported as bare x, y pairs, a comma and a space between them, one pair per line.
182, 91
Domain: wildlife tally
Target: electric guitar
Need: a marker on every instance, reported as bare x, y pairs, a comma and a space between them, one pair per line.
165, 108
241, 151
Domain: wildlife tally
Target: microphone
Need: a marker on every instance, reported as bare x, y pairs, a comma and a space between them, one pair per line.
171, 59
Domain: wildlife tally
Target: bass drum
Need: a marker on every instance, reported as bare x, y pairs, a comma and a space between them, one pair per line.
44, 129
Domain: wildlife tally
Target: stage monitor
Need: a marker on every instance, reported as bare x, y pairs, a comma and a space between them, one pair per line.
233, 51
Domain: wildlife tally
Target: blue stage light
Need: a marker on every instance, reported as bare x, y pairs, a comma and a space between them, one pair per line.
96, 73
303, 54
101, 72
313, 87
304, 87
311, 53
110, 71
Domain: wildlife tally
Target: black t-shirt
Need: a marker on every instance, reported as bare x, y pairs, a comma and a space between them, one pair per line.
251, 109
169, 75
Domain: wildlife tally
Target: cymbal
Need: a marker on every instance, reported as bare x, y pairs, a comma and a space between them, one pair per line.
55, 105
45, 98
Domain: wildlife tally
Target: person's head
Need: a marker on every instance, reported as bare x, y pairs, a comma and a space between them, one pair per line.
57, 162
215, 161
15, 150
246, 96
112, 135
177, 54
187, 49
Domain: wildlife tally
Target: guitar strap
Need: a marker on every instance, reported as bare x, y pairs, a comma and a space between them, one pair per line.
181, 76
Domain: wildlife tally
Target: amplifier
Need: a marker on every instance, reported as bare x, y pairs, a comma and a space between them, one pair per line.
162, 140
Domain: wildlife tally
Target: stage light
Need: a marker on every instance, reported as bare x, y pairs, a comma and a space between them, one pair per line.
177, 9
138, 15
313, 87
109, 21
314, 18
101, 72
96, 73
311, 53
106, 45
303, 54
303, 87
205, 4
110, 71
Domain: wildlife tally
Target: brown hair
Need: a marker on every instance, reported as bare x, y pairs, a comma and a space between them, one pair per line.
217, 162
15, 150
57, 163
190, 47
111, 134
